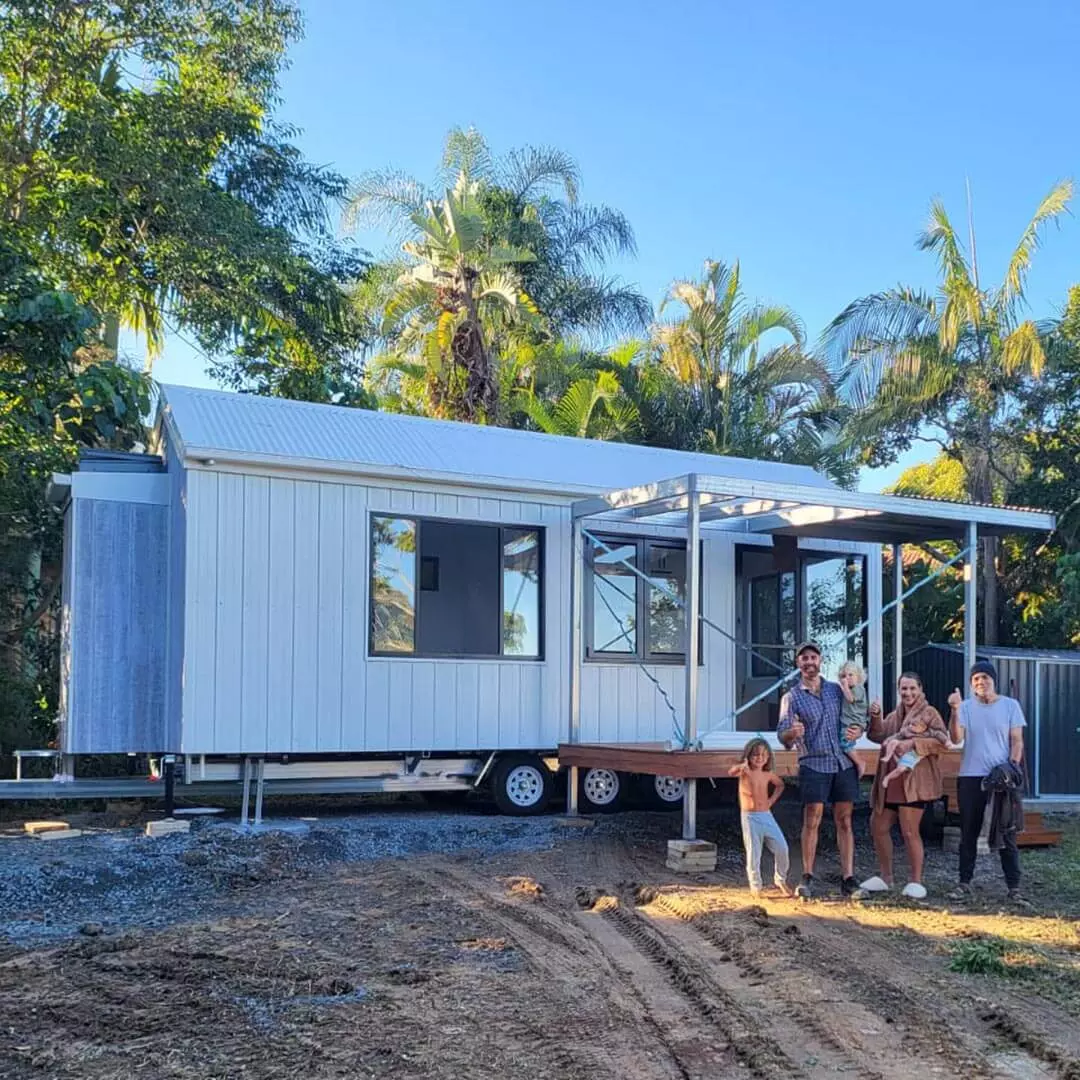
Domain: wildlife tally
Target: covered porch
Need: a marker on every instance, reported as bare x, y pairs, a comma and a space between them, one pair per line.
698, 506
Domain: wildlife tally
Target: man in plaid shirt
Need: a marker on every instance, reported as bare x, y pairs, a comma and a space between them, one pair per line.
810, 721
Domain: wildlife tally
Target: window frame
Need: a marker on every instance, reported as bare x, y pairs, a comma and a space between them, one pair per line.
502, 528
642, 654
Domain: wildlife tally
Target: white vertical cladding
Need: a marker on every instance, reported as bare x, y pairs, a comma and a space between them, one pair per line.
620, 704
255, 607
229, 625
276, 628
200, 613
354, 591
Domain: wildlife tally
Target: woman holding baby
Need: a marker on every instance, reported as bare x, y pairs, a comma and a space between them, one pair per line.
908, 779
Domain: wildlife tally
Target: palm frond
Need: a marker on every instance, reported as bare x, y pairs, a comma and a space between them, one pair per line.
384, 199
1023, 351
1053, 206
762, 318
528, 171
574, 410
588, 234
895, 316
503, 286
465, 152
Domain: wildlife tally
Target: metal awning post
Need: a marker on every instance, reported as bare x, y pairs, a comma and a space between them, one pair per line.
693, 605
898, 624
577, 594
971, 564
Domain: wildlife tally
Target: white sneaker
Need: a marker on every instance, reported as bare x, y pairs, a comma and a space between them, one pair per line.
914, 891
874, 884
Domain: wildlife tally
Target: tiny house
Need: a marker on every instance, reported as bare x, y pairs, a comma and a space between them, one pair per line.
383, 602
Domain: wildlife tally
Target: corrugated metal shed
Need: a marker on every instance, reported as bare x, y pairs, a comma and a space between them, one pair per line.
276, 431
1046, 682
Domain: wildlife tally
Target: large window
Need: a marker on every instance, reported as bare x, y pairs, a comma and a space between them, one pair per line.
454, 589
627, 618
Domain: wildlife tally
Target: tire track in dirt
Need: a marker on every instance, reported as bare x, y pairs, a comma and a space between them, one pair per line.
573, 969
772, 961
748, 1033
902, 987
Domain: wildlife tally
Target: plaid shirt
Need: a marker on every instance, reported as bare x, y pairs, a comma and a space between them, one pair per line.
819, 749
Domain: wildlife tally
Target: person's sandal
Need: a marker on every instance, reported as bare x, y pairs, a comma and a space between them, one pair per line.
1018, 899
961, 894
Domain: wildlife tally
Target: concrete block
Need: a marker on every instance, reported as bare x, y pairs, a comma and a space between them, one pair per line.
36, 828
59, 834
166, 827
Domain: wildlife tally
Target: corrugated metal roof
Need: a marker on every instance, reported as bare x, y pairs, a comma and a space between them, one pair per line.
992, 652
212, 422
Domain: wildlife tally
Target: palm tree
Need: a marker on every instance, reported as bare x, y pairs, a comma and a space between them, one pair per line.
741, 395
944, 367
579, 394
441, 303
529, 200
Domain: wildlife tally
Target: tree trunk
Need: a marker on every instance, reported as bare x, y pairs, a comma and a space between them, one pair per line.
980, 489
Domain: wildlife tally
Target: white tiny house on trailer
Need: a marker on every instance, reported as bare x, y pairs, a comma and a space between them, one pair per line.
383, 602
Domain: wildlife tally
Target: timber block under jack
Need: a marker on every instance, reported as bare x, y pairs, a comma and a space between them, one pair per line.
691, 856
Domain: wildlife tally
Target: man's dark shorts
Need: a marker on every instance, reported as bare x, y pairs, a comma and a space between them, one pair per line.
822, 787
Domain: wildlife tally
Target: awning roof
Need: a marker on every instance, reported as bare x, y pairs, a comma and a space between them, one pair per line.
759, 506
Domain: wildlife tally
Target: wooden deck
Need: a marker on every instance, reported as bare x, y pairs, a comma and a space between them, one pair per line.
655, 759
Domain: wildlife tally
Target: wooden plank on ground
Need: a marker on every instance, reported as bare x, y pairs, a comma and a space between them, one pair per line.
35, 828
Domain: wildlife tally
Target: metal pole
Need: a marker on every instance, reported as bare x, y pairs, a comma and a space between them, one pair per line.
577, 596
898, 624
971, 565
1038, 729
170, 780
247, 794
260, 775
693, 605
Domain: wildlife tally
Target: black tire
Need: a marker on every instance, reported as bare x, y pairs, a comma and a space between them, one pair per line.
521, 785
601, 791
659, 792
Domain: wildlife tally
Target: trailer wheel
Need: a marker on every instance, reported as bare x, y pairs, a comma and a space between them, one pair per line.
662, 792
601, 790
521, 785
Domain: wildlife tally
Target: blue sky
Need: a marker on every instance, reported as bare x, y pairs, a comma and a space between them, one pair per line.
805, 140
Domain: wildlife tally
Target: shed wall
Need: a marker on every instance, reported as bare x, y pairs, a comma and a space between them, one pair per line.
115, 627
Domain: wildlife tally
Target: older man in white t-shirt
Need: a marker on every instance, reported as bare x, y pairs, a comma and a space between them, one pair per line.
991, 727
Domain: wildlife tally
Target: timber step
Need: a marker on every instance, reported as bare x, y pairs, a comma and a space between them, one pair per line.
1035, 833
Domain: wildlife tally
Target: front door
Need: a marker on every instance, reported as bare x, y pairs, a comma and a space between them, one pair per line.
782, 599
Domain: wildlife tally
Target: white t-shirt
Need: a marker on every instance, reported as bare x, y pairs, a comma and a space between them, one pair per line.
986, 733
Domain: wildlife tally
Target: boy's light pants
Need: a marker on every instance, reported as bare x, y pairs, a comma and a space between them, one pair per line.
760, 829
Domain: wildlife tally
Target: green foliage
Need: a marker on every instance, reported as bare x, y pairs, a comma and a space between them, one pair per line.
141, 165
58, 392
978, 956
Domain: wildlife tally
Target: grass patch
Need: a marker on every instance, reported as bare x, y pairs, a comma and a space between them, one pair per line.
978, 956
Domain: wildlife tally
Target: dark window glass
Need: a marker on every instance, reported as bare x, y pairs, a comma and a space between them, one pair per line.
455, 589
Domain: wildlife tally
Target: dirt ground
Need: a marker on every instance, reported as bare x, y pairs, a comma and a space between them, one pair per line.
585, 958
